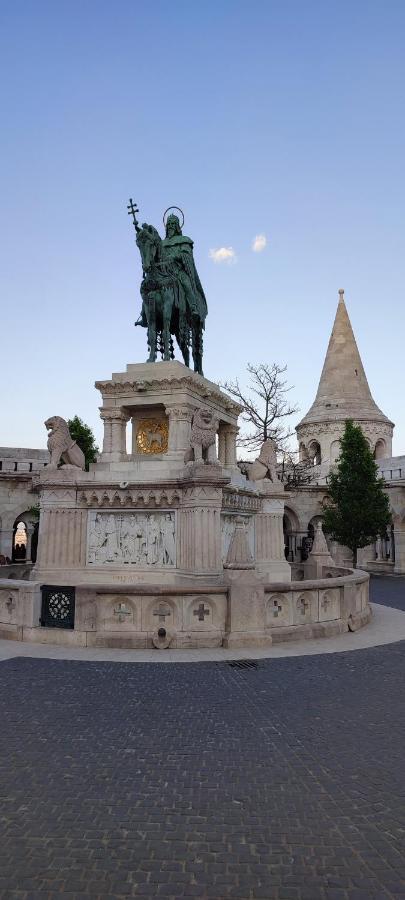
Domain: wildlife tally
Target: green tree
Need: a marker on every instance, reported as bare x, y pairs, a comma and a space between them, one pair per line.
356, 508
84, 437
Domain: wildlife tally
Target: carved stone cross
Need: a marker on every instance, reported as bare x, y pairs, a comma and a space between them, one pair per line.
325, 603
121, 611
162, 612
303, 605
201, 612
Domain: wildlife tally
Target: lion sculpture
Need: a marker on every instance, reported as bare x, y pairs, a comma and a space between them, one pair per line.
204, 428
265, 465
61, 445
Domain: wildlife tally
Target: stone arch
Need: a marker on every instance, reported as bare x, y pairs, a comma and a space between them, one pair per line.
20, 540
311, 529
31, 526
314, 521
380, 449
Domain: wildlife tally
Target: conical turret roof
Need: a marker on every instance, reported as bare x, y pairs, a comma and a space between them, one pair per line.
343, 391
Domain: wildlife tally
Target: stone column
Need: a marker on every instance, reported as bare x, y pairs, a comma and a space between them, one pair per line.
30, 532
230, 447
179, 430
269, 540
134, 426
114, 443
399, 539
222, 444
105, 415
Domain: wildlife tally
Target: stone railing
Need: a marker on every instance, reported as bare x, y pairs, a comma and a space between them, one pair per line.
321, 608
232, 614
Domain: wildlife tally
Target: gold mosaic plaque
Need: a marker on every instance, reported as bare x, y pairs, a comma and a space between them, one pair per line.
152, 436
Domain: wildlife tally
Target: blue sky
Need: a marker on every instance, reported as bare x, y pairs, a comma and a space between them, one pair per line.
277, 118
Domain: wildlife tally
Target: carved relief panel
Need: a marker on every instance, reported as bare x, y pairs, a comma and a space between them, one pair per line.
152, 436
144, 539
278, 610
228, 523
329, 604
118, 613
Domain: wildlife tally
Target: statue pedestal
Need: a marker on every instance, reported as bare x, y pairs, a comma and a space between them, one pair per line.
159, 400
142, 537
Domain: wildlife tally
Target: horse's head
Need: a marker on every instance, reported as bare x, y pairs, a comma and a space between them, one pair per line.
150, 244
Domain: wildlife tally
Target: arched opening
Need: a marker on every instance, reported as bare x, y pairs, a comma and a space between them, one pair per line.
379, 449
314, 453
291, 534
34, 543
20, 540
385, 546
312, 527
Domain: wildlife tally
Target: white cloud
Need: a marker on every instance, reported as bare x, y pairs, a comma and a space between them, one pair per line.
223, 254
259, 243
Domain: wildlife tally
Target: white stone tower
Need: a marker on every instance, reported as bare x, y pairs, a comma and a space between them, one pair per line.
343, 393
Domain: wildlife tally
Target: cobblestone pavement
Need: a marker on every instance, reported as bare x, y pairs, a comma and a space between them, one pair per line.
389, 590
284, 780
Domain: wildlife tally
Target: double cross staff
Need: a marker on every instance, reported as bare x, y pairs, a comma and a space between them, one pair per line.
132, 211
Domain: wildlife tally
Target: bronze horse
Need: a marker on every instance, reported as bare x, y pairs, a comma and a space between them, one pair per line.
167, 308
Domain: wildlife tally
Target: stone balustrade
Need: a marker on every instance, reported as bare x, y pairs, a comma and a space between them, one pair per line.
242, 611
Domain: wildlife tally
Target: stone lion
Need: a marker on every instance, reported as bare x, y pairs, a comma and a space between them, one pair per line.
61, 446
265, 465
204, 428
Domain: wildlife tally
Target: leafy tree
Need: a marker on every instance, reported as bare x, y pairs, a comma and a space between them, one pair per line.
265, 406
33, 512
356, 507
85, 439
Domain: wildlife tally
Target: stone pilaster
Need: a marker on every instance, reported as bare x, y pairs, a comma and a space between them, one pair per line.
229, 435
269, 539
62, 538
30, 532
6, 542
222, 444
179, 429
399, 539
199, 518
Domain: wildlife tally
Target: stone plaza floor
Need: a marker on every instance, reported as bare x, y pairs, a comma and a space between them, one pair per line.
284, 779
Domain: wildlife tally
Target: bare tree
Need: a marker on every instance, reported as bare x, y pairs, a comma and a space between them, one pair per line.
265, 406
293, 471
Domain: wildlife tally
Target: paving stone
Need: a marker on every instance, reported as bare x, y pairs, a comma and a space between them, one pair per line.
200, 780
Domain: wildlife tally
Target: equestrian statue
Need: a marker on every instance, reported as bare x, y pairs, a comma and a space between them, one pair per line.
173, 301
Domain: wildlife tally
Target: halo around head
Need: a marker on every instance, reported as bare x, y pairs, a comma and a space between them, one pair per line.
168, 210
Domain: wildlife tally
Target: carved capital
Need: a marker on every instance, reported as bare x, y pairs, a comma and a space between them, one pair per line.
179, 413
114, 415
